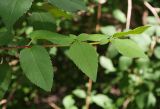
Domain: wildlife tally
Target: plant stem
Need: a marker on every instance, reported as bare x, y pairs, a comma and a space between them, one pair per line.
99, 14
129, 13
153, 10
88, 93
46, 46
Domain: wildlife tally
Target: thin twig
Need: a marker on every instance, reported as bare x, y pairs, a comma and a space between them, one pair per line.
46, 46
152, 46
126, 102
129, 13
88, 94
99, 14
144, 18
3, 101
153, 10
53, 105
20, 47
10, 97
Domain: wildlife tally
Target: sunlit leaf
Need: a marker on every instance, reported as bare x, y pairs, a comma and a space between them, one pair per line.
103, 101
138, 30
128, 48
119, 15
85, 57
79, 93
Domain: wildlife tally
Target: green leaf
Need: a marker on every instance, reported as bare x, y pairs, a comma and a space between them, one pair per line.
107, 64
124, 63
42, 20
138, 30
158, 31
104, 41
108, 30
37, 66
85, 57
111, 52
5, 37
5, 78
142, 63
69, 5
140, 100
52, 37
151, 20
151, 99
119, 15
12, 10
80, 93
128, 48
56, 12
143, 41
103, 101
68, 102
157, 52
92, 37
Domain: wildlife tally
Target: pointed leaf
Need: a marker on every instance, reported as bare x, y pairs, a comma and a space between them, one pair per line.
52, 37
42, 20
92, 37
128, 48
119, 15
69, 5
138, 30
37, 66
85, 57
12, 10
56, 12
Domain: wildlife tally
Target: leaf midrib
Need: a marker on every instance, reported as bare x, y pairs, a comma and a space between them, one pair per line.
34, 59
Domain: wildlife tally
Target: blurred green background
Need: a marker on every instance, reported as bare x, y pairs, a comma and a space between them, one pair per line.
123, 83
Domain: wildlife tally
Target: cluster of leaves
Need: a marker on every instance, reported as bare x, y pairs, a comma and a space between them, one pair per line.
39, 70
35, 59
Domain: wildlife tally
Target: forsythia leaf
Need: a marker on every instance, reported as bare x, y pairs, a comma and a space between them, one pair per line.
52, 37
138, 30
85, 57
69, 5
37, 66
12, 10
128, 48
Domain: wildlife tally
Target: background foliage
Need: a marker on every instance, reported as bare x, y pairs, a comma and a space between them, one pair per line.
122, 82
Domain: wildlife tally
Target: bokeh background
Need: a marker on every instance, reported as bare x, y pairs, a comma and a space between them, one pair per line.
122, 82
